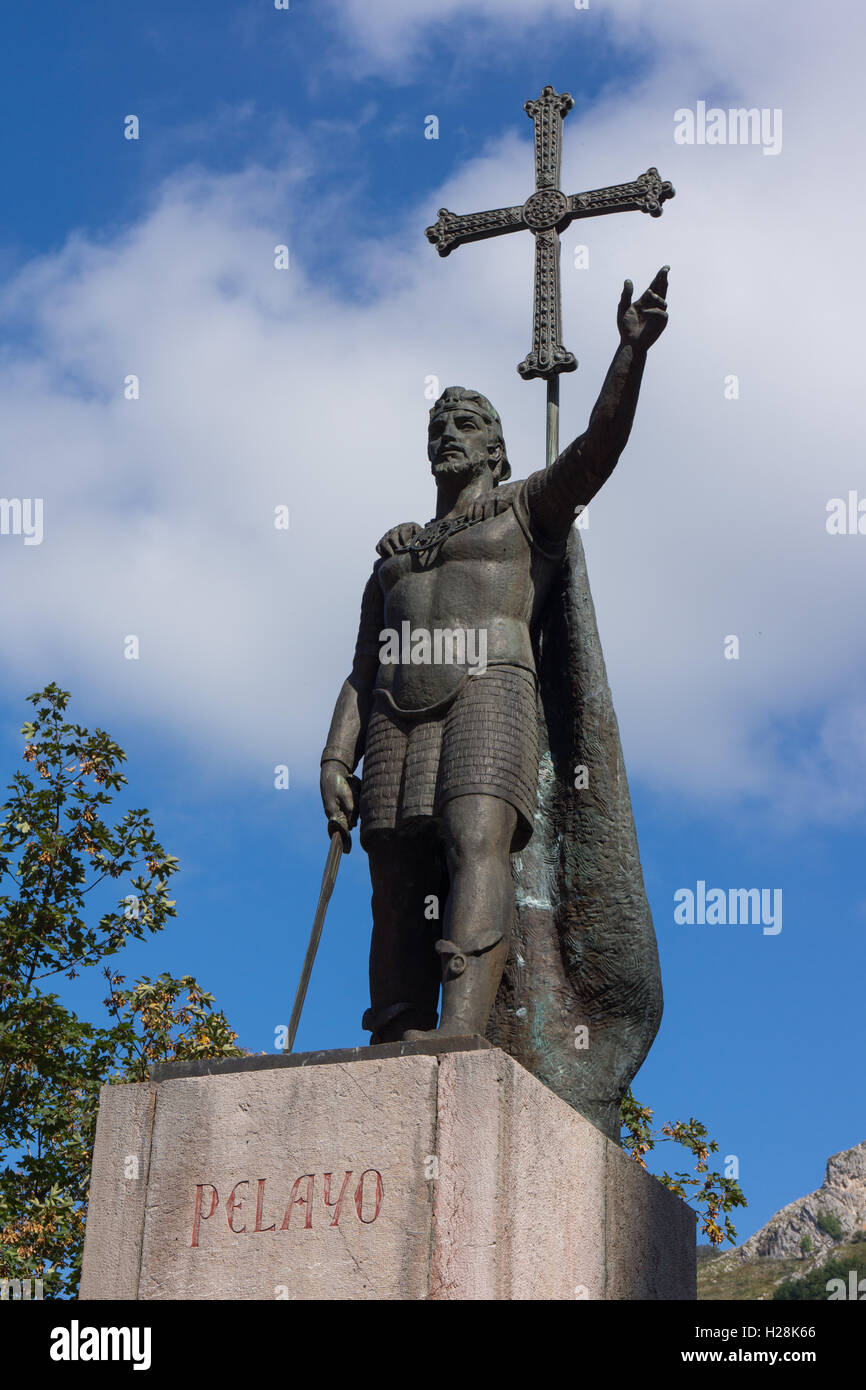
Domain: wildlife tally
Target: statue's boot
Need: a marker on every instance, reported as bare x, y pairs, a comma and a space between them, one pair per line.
470, 979
390, 1024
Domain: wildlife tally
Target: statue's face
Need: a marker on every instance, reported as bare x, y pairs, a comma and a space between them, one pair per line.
458, 444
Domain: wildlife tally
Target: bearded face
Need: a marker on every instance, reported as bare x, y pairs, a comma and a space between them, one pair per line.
458, 444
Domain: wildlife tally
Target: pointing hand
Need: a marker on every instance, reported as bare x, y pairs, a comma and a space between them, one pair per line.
643, 321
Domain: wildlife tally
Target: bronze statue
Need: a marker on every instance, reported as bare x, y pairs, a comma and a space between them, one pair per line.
450, 752
478, 690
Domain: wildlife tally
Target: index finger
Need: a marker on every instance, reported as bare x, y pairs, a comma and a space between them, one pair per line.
660, 283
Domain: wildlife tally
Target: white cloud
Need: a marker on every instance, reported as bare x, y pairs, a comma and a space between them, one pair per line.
738, 39
259, 387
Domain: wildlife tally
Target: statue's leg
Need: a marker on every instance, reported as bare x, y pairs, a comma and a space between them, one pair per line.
406, 872
477, 830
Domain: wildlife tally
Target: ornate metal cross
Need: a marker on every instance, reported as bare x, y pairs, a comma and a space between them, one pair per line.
547, 213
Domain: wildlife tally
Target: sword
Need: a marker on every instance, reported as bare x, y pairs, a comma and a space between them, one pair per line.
341, 842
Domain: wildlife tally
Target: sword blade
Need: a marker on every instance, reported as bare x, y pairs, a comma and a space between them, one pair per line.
329, 878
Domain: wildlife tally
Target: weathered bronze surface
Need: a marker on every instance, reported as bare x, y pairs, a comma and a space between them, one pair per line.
477, 692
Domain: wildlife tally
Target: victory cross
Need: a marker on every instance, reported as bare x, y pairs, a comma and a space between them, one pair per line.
499, 880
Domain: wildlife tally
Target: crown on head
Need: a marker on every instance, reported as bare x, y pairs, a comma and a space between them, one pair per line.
458, 397
454, 396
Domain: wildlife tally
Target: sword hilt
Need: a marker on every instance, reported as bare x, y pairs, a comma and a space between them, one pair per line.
339, 827
337, 824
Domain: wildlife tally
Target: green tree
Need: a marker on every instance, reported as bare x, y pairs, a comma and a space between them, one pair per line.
712, 1193
830, 1224
56, 847
813, 1286
806, 1246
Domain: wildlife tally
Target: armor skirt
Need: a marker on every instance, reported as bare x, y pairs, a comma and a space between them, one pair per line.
486, 740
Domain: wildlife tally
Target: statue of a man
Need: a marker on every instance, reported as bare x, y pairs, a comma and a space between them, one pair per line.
442, 698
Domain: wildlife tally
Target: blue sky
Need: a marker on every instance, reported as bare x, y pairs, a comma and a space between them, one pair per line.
155, 257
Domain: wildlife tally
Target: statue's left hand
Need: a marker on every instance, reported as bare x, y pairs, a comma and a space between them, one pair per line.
642, 322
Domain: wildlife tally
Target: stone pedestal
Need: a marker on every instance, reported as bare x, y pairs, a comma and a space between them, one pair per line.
387, 1172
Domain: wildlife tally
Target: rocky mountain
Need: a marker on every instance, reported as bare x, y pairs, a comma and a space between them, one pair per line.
841, 1199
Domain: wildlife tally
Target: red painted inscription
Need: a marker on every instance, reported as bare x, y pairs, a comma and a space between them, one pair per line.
365, 1195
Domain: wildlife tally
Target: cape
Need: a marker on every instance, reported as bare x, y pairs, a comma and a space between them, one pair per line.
584, 954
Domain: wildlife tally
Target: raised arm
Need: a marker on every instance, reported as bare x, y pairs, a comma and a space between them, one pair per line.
347, 734
553, 495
